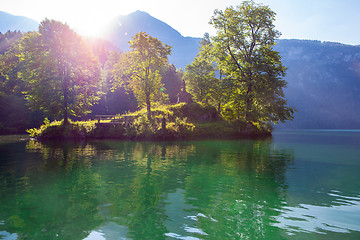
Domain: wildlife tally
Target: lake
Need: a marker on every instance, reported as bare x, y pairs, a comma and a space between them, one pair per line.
295, 185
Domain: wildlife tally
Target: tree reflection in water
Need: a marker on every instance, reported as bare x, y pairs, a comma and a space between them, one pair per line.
144, 190
54, 196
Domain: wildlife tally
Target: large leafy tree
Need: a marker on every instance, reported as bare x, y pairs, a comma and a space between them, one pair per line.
254, 72
10, 83
60, 71
139, 69
200, 75
15, 116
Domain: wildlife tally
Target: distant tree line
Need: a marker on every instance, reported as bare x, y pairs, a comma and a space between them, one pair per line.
7, 39
55, 73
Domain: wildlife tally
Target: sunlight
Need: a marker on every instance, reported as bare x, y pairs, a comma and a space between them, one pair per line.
87, 18
90, 17
88, 21
89, 27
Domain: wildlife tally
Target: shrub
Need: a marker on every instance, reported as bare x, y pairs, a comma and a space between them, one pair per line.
182, 121
57, 129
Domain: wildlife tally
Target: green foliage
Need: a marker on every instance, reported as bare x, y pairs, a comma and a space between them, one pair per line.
183, 121
200, 75
10, 65
139, 69
172, 79
59, 130
111, 93
195, 112
253, 71
8, 39
46, 122
60, 71
39, 132
181, 126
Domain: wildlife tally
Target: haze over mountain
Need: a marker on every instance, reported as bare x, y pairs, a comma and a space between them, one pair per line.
323, 78
123, 28
16, 23
323, 83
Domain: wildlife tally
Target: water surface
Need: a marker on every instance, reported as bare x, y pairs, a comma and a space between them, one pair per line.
297, 185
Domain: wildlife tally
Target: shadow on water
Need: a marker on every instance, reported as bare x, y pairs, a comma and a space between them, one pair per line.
143, 190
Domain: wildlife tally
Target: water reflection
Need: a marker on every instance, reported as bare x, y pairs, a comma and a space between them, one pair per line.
54, 190
147, 190
323, 194
143, 190
343, 216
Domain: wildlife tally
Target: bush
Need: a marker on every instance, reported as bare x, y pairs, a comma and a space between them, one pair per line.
57, 129
183, 121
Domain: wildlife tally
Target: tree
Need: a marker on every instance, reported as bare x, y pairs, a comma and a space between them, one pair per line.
7, 39
10, 65
15, 116
110, 97
201, 75
107, 79
60, 71
172, 79
139, 69
253, 70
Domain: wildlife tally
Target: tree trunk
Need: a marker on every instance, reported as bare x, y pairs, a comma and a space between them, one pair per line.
66, 117
148, 107
248, 103
66, 98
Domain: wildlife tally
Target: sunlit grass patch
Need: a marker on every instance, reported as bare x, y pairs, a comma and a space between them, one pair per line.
179, 121
57, 129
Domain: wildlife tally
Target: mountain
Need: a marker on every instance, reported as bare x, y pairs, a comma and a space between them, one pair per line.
16, 23
323, 83
123, 28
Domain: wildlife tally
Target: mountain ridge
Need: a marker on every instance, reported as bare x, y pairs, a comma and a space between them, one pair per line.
16, 23
124, 27
323, 83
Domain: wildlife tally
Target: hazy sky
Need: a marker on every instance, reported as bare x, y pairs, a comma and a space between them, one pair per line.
325, 20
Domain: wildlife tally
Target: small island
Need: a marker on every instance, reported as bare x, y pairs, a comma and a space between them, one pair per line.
183, 121
232, 89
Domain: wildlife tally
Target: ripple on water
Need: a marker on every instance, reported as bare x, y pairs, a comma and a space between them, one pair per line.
341, 216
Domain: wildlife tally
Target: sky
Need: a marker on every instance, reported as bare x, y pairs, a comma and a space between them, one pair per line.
324, 20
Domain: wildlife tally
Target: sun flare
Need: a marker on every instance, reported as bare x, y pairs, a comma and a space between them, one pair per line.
90, 27
87, 18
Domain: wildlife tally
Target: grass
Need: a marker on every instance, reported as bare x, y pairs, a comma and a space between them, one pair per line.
57, 129
183, 121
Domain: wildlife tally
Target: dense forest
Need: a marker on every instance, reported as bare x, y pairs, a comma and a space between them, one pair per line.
55, 73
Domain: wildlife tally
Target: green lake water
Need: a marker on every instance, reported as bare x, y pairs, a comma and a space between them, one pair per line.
295, 185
